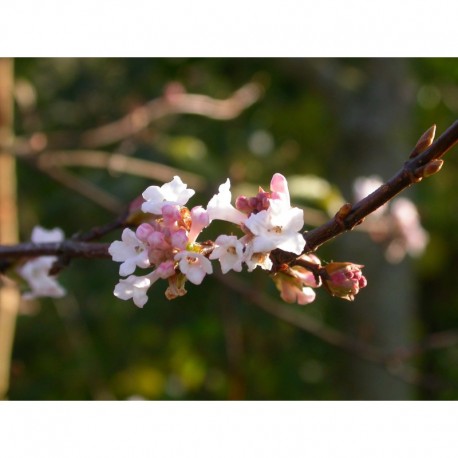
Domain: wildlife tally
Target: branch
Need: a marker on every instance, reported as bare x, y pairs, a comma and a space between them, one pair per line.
425, 160
70, 248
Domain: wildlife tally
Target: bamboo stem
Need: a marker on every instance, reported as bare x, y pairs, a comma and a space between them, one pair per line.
9, 294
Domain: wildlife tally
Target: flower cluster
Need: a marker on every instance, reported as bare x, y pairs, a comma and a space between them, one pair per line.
166, 242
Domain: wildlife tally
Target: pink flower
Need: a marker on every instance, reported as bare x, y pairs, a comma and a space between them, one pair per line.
199, 220
279, 189
292, 290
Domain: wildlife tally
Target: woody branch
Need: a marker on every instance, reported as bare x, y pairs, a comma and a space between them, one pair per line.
424, 160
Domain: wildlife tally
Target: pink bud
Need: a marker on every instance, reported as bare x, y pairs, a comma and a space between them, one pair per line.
157, 241
291, 290
144, 231
242, 203
305, 276
166, 269
179, 239
199, 220
278, 184
345, 279
171, 215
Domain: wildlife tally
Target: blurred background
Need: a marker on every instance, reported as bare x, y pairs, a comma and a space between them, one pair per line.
320, 122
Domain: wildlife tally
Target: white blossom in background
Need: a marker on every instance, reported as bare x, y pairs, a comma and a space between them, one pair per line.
36, 271
363, 186
411, 237
403, 230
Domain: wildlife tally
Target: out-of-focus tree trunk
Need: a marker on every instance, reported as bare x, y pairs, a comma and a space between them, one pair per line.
9, 294
375, 122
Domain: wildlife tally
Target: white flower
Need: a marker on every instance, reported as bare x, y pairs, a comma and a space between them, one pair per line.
36, 271
229, 251
174, 193
135, 288
277, 227
194, 265
131, 250
220, 206
253, 259
41, 284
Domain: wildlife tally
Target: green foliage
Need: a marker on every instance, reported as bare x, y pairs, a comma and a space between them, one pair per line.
212, 343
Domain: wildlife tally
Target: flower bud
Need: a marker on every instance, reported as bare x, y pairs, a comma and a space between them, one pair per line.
144, 231
292, 290
344, 279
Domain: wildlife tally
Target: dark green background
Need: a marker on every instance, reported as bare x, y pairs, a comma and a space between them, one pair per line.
321, 117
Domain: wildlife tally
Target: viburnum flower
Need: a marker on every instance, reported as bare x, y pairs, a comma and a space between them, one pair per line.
36, 271
167, 243
135, 288
220, 206
130, 251
277, 227
229, 251
175, 193
194, 265
254, 259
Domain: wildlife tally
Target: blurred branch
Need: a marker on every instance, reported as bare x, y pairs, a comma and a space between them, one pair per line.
115, 162
84, 187
174, 101
298, 319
